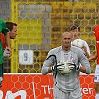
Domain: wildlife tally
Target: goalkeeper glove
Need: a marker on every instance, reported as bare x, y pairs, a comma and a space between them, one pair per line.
77, 67
64, 68
72, 65
53, 68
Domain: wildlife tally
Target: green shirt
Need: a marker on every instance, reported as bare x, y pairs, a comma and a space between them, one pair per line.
4, 30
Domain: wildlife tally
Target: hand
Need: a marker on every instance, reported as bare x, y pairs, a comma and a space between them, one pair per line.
92, 58
65, 68
53, 68
9, 51
77, 67
72, 65
61, 66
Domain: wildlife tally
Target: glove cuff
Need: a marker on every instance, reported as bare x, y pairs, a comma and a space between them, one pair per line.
52, 68
77, 68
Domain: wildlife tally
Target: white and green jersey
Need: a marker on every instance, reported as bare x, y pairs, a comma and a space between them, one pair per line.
67, 82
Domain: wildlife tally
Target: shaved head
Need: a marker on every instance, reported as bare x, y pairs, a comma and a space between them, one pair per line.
67, 33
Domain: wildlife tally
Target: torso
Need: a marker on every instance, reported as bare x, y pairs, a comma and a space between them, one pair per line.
96, 33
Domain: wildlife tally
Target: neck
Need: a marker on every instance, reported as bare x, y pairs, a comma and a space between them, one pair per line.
66, 48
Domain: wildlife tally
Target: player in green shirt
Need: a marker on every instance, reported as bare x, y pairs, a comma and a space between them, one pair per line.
5, 31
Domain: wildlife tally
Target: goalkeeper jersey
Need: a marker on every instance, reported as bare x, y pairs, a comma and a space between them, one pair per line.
96, 33
67, 82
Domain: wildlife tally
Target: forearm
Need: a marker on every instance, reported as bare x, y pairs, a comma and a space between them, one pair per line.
9, 51
82, 69
96, 55
7, 40
87, 54
49, 70
85, 70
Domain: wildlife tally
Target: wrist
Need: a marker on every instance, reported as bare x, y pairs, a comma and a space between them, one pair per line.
52, 68
78, 68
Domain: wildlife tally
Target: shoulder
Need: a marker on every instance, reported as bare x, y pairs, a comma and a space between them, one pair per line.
1, 21
55, 50
85, 43
76, 49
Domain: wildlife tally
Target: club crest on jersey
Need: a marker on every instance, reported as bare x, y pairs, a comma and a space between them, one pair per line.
71, 58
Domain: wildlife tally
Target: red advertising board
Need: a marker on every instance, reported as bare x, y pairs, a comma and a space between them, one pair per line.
38, 86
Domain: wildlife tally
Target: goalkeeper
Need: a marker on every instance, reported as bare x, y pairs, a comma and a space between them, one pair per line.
63, 62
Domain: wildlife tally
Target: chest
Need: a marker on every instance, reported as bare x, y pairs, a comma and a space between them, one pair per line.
67, 56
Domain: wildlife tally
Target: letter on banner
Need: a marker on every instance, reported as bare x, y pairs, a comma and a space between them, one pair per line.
10, 95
